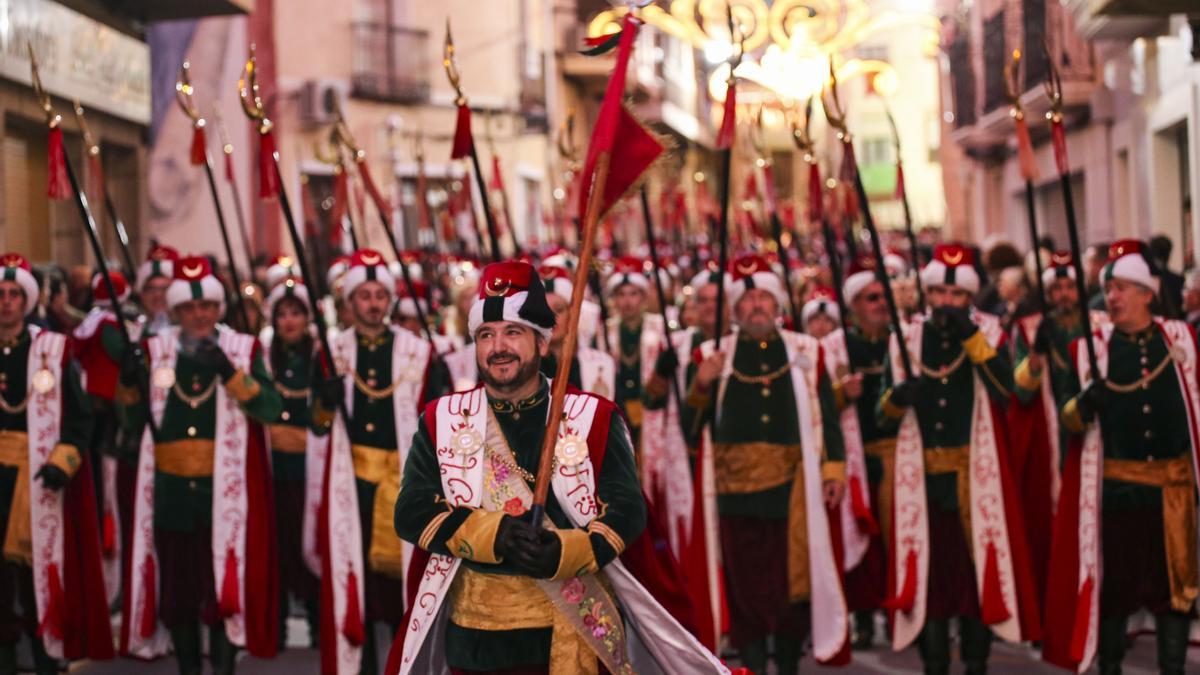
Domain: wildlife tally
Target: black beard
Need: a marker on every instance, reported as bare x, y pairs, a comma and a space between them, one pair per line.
528, 370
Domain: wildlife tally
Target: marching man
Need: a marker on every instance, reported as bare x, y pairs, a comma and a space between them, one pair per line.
1125, 533
203, 542
634, 335
777, 462
958, 538
383, 379
499, 594
51, 565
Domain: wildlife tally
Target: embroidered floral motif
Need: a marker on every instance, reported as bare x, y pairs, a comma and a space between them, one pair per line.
573, 591
514, 507
597, 618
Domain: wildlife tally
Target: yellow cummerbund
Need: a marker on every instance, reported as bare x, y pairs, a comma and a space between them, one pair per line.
742, 468
288, 438
882, 448
956, 460
189, 457
498, 602
18, 541
14, 448
374, 464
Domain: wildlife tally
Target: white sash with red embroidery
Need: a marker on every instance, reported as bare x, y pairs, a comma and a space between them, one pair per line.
855, 538
410, 358
1179, 338
110, 532
667, 478
989, 528
459, 431
43, 419
830, 619
148, 638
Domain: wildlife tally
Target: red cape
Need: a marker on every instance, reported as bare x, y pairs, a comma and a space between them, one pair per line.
87, 632
1029, 465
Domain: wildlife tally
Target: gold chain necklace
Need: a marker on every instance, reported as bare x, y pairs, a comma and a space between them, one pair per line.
199, 399
1144, 381
16, 409
762, 380
371, 392
947, 370
288, 392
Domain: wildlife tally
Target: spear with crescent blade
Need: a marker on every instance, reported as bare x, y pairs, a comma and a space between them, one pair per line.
227, 151
836, 114
271, 185
464, 145
93, 150
1026, 163
54, 124
327, 152
185, 96
768, 191
725, 138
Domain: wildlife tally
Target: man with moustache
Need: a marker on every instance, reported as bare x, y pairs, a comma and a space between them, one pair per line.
202, 551
778, 467
955, 504
634, 336
855, 358
383, 379
499, 594
592, 370
1125, 531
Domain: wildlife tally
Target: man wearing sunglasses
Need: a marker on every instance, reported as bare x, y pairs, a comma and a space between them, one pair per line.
855, 359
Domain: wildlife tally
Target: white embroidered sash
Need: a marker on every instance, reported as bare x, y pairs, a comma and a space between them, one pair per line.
854, 539
668, 472
43, 419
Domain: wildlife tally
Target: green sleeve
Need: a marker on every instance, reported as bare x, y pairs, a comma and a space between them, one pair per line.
421, 501
131, 408
113, 343
886, 416
266, 404
77, 417
835, 448
622, 507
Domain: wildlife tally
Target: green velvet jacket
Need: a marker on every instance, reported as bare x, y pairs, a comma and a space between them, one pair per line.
77, 414
292, 377
422, 499
184, 504
752, 413
1145, 424
945, 408
869, 356
1028, 384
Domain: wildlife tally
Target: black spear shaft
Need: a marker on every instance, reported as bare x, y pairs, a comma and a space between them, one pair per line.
877, 250
122, 234
489, 217
723, 240
777, 234
237, 282
835, 268
1077, 262
241, 220
89, 225
1033, 237
658, 289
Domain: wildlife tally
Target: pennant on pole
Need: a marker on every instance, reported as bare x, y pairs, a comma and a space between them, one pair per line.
268, 181
199, 143
638, 148
56, 166
464, 143
1025, 158
729, 120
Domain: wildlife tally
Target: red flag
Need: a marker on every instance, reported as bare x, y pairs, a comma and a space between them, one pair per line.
199, 146
638, 148
497, 182
729, 120
464, 144
1060, 147
816, 206
56, 166
899, 181
268, 180
1025, 158
228, 166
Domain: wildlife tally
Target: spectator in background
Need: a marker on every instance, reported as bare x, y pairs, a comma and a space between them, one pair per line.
1012, 289
1172, 282
1191, 298
79, 287
1094, 259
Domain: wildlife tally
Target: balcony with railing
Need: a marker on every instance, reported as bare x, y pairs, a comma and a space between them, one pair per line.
391, 63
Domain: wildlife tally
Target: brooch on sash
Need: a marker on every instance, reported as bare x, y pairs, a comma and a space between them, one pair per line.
571, 450
466, 441
164, 377
1179, 353
43, 379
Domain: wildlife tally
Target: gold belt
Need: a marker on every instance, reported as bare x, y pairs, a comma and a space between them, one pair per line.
189, 457
288, 438
1174, 476
884, 449
496, 602
742, 468
382, 467
956, 461
18, 542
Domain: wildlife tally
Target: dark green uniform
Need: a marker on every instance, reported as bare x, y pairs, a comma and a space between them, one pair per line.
1028, 386
869, 356
421, 500
629, 376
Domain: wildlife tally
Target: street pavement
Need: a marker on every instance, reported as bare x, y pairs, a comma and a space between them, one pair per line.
1006, 660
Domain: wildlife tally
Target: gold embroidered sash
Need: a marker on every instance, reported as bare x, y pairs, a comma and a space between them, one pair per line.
587, 617
18, 542
1174, 476
885, 450
741, 468
956, 461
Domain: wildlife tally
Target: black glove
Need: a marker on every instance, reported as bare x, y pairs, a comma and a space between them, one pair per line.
330, 392
1093, 400
52, 477
957, 321
209, 354
666, 364
510, 530
905, 394
1043, 340
536, 553
132, 363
